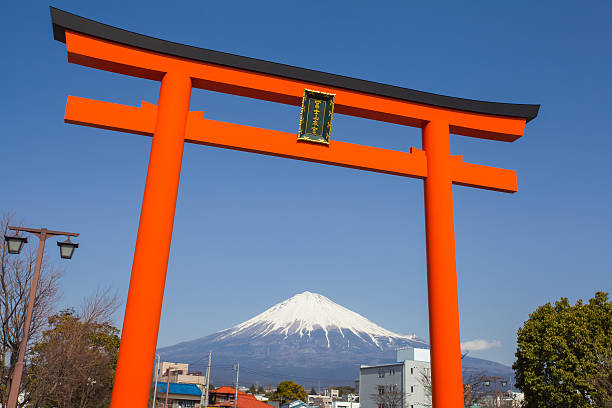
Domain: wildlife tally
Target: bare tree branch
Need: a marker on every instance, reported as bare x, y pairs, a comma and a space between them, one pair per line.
100, 306
389, 396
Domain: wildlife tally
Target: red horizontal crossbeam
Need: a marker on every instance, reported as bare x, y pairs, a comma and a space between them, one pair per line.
141, 120
123, 59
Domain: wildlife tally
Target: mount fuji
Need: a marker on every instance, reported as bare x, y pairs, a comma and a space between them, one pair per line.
308, 339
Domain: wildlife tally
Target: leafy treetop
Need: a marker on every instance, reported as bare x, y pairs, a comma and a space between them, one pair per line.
564, 355
288, 391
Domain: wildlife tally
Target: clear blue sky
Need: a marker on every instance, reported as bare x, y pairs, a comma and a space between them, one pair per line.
241, 240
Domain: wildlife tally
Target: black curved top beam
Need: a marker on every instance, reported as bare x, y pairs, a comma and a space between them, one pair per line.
63, 21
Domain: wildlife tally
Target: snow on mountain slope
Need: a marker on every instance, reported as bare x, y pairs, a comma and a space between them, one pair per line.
306, 312
307, 338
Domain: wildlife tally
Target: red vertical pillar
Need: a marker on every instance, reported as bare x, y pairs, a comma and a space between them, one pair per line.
447, 385
146, 292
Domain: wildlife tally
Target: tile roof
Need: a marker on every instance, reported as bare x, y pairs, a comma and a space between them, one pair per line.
227, 390
244, 400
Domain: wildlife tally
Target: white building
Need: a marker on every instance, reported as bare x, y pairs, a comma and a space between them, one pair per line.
344, 404
320, 401
401, 383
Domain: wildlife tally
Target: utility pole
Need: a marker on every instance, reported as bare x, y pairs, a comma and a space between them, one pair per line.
207, 386
236, 396
168, 371
156, 377
167, 389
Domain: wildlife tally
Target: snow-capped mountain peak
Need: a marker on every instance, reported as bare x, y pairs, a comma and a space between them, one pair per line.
306, 312
307, 337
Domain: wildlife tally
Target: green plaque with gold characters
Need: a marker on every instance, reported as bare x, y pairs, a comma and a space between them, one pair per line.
316, 116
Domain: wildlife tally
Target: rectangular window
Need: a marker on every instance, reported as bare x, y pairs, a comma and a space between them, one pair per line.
411, 370
411, 388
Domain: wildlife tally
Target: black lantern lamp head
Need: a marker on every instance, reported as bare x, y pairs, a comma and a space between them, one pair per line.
15, 243
487, 383
504, 383
67, 248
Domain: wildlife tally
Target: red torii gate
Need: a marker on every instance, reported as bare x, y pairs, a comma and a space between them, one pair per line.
180, 67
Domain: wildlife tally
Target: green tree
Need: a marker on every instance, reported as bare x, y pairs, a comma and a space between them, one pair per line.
288, 391
563, 354
74, 363
313, 391
252, 389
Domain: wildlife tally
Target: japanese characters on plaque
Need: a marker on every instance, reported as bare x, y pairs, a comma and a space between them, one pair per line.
316, 116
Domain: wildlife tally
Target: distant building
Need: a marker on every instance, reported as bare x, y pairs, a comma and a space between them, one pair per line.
516, 398
179, 373
179, 395
334, 393
401, 382
345, 404
320, 401
510, 399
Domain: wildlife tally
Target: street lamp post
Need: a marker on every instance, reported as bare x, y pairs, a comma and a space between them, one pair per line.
494, 379
15, 244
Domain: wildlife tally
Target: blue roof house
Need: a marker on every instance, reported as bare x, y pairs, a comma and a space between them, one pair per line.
179, 395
